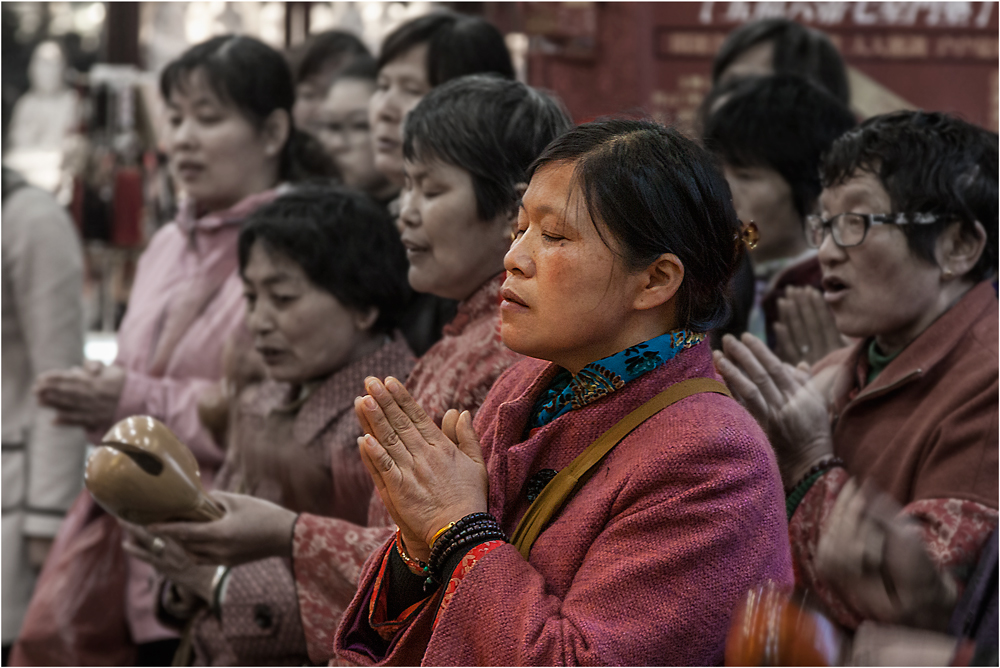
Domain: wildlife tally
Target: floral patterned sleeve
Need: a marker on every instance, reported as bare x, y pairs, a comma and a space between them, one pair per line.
954, 532
327, 557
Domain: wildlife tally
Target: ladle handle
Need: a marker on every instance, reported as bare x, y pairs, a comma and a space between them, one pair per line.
209, 509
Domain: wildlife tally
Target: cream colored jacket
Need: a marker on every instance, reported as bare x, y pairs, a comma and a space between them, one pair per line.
42, 329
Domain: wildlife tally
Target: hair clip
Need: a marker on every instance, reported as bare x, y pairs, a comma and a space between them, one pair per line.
749, 234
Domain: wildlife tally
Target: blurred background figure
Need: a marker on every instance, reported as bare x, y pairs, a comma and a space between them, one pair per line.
232, 142
42, 316
45, 117
316, 66
416, 57
769, 133
781, 46
47, 112
346, 133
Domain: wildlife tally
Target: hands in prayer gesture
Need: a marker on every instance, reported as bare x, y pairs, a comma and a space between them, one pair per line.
790, 405
806, 330
427, 477
84, 396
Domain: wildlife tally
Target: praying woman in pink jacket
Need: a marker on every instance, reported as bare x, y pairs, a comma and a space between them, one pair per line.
625, 239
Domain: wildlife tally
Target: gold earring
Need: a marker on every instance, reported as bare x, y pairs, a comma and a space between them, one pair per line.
947, 274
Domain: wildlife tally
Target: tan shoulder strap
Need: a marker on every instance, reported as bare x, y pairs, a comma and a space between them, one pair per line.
561, 488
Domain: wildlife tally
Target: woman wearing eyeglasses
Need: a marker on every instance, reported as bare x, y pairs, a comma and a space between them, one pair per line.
907, 244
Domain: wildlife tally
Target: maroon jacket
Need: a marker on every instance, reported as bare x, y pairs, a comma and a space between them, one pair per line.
925, 431
645, 563
926, 428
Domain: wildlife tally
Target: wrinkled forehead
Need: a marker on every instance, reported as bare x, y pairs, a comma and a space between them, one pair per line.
862, 192
555, 190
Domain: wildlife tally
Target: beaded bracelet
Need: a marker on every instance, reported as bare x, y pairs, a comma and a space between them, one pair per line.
440, 556
415, 565
474, 528
454, 529
819, 467
796, 493
446, 527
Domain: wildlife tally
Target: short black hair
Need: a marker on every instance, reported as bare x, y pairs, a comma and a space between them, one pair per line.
782, 122
362, 67
345, 243
255, 79
456, 45
491, 127
797, 50
240, 70
331, 49
656, 192
928, 162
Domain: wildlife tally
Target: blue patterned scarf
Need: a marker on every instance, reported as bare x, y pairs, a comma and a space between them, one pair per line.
599, 379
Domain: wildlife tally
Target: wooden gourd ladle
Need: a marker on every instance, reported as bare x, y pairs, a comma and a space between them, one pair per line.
142, 474
771, 626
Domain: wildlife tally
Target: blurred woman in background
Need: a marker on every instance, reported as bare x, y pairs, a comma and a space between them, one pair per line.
769, 133
416, 57
345, 131
324, 275
232, 141
781, 46
315, 66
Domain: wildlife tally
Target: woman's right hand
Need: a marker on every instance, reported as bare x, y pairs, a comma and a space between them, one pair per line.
789, 405
170, 559
252, 529
84, 396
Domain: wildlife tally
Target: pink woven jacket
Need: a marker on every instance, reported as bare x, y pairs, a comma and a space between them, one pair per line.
642, 567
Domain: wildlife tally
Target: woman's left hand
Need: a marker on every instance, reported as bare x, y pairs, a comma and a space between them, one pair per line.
425, 478
876, 558
806, 330
791, 406
251, 529
84, 396
170, 559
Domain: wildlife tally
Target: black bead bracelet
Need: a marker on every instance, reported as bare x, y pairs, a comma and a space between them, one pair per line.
470, 530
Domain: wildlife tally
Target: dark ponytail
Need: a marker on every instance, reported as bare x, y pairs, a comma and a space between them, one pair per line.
255, 79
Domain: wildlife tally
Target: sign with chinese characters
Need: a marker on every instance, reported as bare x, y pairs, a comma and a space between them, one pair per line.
657, 57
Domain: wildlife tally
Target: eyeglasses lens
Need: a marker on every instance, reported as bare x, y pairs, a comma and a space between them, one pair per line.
814, 231
849, 229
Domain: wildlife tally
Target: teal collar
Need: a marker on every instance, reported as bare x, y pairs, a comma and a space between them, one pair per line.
598, 379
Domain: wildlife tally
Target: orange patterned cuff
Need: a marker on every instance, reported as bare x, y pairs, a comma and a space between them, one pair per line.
378, 604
